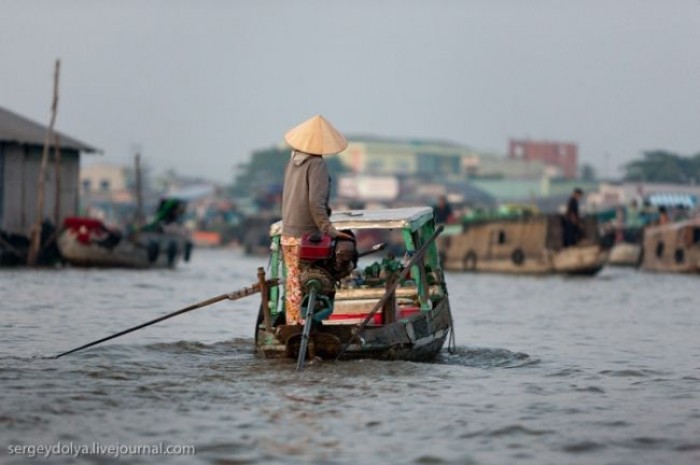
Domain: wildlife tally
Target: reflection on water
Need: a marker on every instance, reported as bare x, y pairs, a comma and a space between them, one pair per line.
547, 370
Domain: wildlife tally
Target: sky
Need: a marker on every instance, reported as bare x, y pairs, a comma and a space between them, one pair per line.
197, 85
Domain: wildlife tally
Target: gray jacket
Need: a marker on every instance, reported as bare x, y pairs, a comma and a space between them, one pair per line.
305, 196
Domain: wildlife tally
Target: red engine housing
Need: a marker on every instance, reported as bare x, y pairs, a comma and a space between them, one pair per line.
315, 246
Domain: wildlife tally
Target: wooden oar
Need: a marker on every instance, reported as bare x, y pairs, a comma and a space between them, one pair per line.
245, 292
407, 269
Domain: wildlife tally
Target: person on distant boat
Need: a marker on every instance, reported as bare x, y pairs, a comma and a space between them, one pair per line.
663, 216
633, 215
443, 211
305, 199
572, 219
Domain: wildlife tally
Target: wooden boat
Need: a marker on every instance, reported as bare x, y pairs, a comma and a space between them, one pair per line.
412, 323
673, 248
625, 254
530, 244
160, 244
252, 233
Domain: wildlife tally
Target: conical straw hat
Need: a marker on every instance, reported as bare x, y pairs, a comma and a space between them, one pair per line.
316, 136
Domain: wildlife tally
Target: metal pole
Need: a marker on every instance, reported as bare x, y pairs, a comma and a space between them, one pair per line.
307, 329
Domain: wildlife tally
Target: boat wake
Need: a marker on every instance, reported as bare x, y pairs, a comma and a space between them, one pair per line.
485, 357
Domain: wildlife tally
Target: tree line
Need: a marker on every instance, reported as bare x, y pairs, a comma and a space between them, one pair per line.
263, 176
664, 166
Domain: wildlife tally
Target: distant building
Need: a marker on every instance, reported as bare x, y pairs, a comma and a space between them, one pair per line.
368, 187
106, 182
21, 146
562, 155
388, 156
433, 159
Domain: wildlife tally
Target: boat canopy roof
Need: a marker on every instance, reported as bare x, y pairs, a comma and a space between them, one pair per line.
389, 218
673, 199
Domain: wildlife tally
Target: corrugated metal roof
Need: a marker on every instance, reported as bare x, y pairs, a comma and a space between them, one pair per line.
20, 130
389, 218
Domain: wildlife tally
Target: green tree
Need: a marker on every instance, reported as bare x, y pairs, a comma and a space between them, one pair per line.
588, 172
664, 166
264, 173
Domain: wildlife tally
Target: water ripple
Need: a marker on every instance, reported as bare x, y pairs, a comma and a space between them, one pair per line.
481, 357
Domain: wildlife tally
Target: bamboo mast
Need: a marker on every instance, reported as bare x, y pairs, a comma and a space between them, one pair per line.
57, 166
35, 233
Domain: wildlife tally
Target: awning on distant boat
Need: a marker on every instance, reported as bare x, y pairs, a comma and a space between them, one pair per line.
673, 200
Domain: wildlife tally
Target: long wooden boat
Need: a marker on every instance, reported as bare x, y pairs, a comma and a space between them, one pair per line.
529, 244
87, 242
673, 248
414, 322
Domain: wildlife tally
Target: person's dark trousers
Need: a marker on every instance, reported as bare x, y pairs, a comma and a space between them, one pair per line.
571, 233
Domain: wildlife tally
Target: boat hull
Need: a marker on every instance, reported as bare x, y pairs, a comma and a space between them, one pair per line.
576, 260
672, 248
625, 254
150, 250
417, 338
527, 245
580, 260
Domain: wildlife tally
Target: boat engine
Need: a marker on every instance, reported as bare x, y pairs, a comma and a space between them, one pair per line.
323, 262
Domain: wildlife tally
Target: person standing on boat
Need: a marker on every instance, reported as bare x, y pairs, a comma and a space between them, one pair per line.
572, 219
305, 199
443, 211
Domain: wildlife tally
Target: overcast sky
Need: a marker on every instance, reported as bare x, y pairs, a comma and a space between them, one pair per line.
200, 84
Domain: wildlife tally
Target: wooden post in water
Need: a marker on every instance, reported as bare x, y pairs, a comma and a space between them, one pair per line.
35, 232
265, 302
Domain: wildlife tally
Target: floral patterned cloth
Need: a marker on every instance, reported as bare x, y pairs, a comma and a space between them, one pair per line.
292, 285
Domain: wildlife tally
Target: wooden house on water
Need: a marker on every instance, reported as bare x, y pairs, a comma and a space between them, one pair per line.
531, 244
21, 146
673, 247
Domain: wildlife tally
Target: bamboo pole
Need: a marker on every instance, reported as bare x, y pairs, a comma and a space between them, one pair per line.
239, 294
267, 318
57, 204
57, 165
35, 233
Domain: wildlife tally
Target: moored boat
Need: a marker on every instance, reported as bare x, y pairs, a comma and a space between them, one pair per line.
625, 254
673, 247
529, 244
361, 313
160, 244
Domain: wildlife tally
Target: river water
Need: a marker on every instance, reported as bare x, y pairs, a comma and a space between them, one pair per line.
549, 370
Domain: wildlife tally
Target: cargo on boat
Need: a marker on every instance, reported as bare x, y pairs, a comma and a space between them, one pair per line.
355, 313
528, 244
